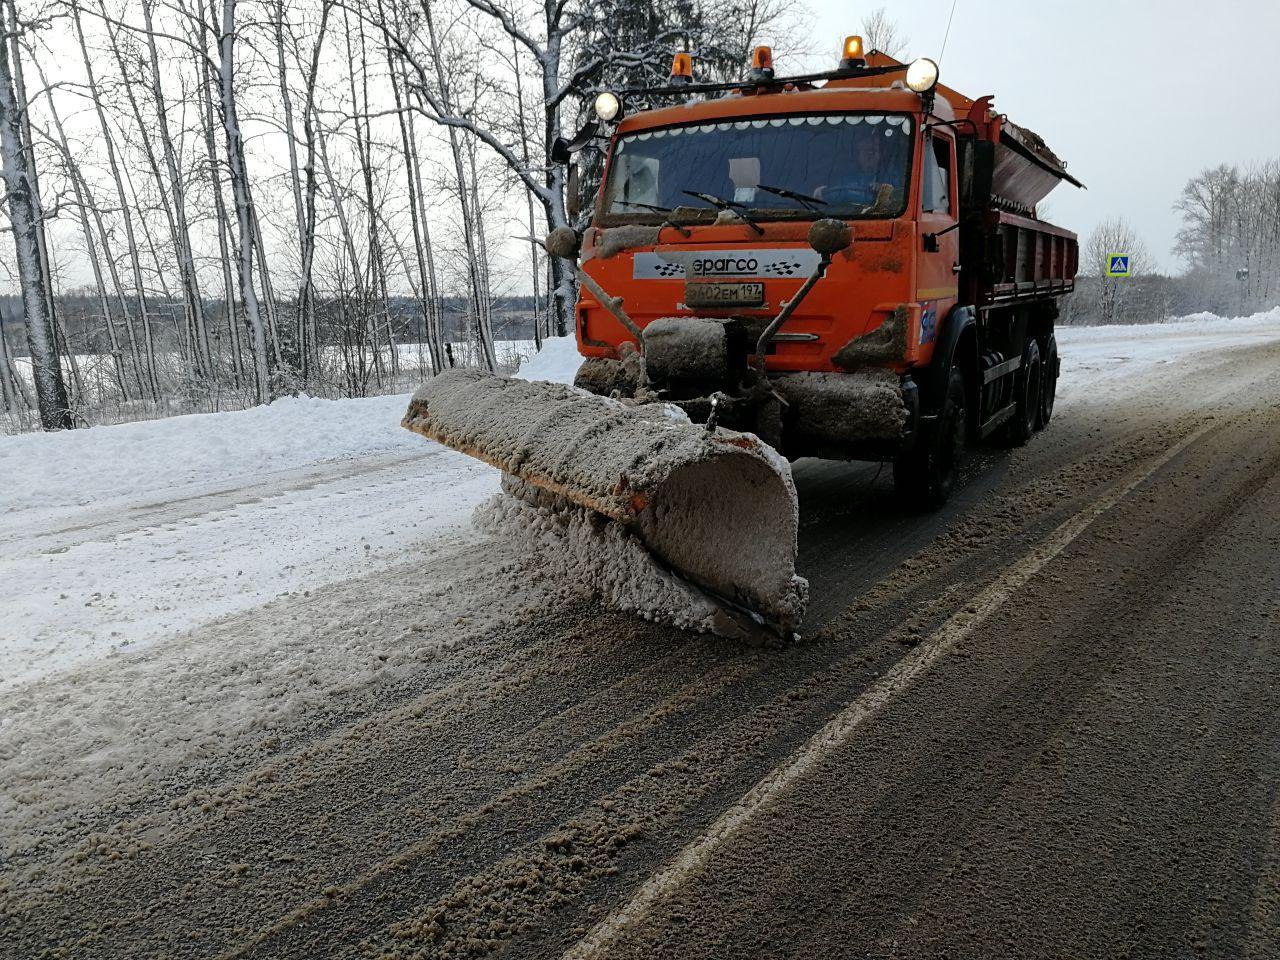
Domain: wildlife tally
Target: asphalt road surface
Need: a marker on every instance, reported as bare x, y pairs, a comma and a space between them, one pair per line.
1044, 722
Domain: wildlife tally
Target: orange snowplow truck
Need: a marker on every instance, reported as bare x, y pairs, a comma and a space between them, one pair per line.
847, 265
844, 265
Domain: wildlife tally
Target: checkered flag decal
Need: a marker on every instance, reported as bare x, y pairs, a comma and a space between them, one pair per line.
784, 268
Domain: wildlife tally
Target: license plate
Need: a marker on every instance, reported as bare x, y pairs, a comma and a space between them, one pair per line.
723, 294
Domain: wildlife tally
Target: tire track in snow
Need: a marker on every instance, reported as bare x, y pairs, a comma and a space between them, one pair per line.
849, 722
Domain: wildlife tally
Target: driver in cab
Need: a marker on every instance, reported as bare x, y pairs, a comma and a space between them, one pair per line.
873, 177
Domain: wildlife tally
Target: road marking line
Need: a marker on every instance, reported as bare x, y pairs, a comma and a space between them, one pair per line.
841, 728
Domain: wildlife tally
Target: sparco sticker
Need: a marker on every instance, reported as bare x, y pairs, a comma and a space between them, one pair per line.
685, 264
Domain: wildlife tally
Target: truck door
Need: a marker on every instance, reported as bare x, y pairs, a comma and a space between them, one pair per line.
937, 273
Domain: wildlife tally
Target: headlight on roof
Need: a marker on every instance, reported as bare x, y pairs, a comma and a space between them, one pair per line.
608, 107
922, 75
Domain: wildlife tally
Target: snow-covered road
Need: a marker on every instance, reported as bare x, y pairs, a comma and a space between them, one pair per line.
217, 586
114, 538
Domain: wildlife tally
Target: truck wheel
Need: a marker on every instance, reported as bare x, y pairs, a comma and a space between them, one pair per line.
924, 476
1048, 382
1027, 396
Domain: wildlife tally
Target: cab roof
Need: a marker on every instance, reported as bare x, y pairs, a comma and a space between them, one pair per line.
834, 97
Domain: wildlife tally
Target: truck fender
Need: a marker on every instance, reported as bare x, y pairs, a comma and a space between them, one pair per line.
956, 344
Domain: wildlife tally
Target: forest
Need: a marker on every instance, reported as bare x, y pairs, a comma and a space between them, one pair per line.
214, 203
217, 202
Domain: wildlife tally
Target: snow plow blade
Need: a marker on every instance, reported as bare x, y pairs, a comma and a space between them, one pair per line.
717, 508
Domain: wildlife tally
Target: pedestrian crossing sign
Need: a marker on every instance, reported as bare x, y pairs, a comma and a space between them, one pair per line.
1118, 265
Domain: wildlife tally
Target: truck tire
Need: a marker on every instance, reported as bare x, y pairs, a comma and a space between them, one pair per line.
925, 475
1048, 382
1026, 393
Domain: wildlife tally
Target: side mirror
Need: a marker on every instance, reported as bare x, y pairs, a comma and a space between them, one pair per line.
977, 169
562, 150
572, 189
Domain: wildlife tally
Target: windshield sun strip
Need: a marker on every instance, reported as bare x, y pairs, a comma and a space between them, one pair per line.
612, 217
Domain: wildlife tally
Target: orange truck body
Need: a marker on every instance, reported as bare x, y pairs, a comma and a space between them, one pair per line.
987, 260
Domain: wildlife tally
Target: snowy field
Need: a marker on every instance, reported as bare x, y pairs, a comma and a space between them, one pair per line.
117, 536
1098, 361
177, 589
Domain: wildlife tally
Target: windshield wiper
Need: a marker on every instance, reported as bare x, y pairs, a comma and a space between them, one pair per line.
808, 201
665, 211
733, 206
645, 206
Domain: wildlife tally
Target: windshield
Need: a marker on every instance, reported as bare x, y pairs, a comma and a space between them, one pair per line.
845, 165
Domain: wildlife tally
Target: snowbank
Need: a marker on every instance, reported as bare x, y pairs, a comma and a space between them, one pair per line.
1195, 324
124, 461
558, 361
1100, 364
119, 536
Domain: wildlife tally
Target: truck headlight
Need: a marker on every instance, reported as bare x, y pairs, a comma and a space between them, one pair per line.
607, 106
922, 75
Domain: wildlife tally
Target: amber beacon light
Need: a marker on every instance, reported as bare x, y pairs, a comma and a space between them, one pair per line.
682, 68
852, 54
762, 61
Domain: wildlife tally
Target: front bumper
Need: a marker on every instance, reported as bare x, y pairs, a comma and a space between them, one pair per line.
867, 414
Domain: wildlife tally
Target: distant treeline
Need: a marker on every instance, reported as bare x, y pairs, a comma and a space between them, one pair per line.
1229, 239
513, 319
1151, 298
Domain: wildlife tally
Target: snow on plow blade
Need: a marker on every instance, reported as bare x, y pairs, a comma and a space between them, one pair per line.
718, 508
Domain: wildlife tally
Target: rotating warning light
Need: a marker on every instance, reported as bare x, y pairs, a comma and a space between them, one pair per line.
762, 63
682, 68
851, 54
922, 75
608, 106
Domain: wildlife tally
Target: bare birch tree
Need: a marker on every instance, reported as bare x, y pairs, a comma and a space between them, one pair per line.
88, 212
237, 165
145, 371
193, 303
18, 173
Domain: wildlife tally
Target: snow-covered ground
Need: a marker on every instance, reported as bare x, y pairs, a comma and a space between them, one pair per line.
116, 537
1098, 362
204, 586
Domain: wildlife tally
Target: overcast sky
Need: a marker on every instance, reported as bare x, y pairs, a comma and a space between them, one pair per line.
1136, 95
